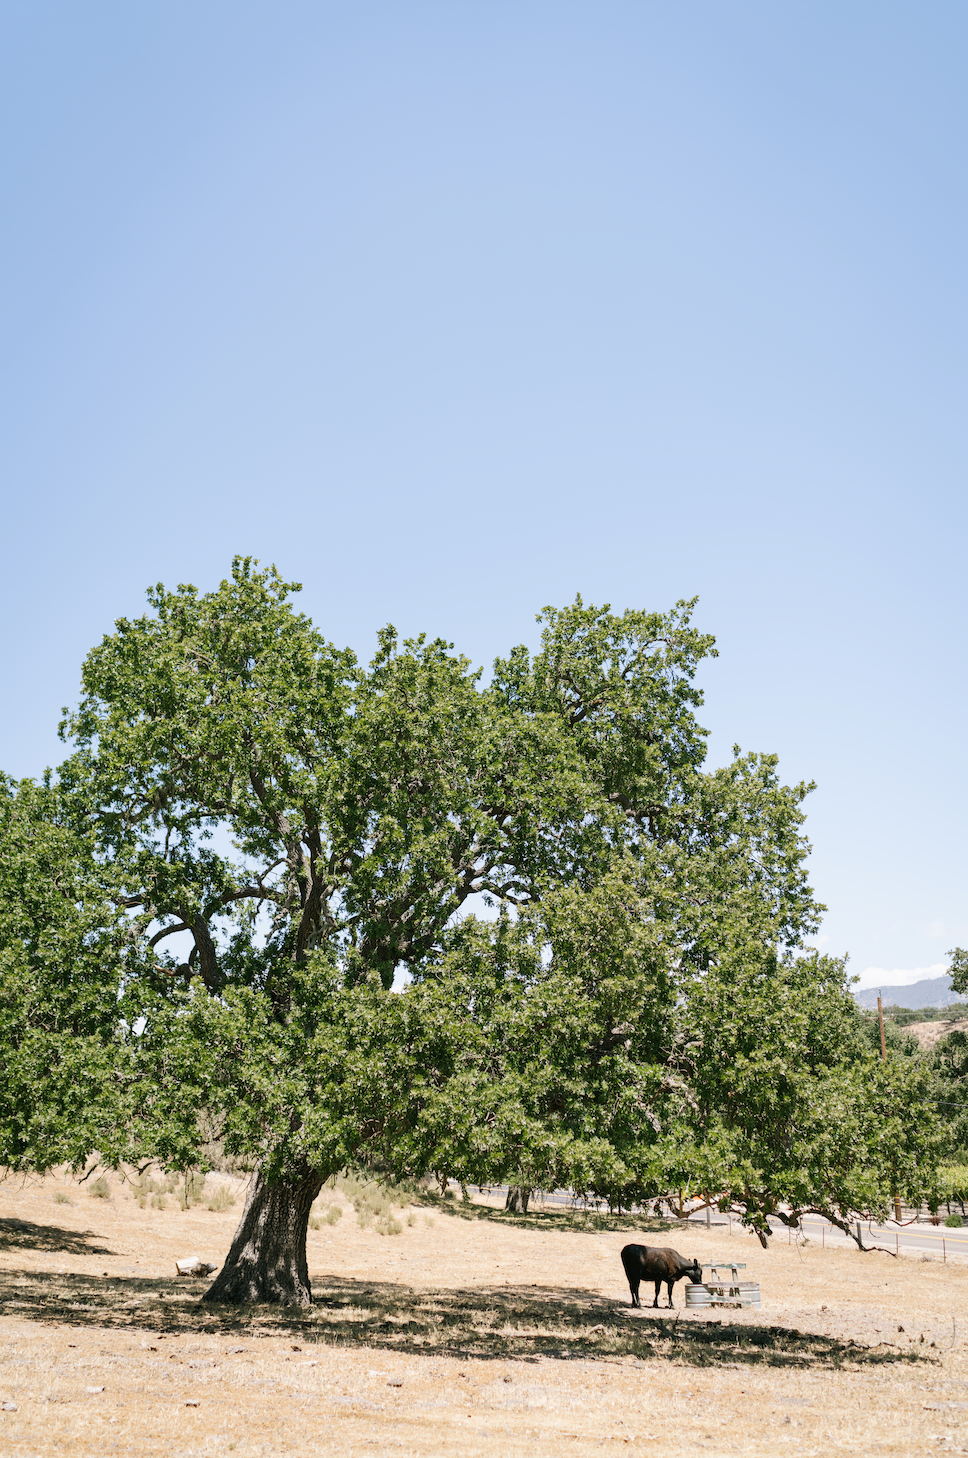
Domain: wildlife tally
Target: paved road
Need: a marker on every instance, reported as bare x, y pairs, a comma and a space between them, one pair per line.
931, 1239
938, 1240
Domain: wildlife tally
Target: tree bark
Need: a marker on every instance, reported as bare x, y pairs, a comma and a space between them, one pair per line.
267, 1258
518, 1198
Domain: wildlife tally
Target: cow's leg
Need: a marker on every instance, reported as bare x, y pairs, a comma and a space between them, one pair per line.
670, 1285
658, 1288
634, 1288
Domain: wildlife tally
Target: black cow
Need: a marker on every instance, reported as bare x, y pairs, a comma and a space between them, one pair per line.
658, 1264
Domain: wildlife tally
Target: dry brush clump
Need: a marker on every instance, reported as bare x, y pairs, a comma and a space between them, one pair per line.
373, 1199
190, 1189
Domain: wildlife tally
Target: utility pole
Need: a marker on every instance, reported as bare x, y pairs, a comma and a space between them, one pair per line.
880, 1021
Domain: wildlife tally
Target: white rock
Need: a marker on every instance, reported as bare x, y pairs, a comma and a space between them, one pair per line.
192, 1266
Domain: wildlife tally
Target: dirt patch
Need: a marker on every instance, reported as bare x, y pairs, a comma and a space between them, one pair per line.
469, 1332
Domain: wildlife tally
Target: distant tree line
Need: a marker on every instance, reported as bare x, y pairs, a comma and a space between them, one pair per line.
904, 1016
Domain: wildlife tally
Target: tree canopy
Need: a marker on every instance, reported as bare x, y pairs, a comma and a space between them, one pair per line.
604, 940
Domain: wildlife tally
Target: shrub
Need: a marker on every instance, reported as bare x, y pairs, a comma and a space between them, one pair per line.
329, 1216
221, 1198
60, 1198
144, 1187
954, 1181
100, 1190
372, 1200
954, 1221
192, 1190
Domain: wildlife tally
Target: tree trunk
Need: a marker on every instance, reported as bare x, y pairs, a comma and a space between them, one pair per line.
518, 1197
267, 1258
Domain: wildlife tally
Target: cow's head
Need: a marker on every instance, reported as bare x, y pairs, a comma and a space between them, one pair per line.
695, 1271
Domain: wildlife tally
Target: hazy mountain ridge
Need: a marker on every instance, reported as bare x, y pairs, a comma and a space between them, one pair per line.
930, 992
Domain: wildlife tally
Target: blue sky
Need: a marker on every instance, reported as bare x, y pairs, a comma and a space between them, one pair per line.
455, 310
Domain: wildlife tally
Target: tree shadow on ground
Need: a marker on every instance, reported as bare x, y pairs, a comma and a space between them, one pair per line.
507, 1322
562, 1217
25, 1235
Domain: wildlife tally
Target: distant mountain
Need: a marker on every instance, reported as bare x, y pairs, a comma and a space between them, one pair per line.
931, 992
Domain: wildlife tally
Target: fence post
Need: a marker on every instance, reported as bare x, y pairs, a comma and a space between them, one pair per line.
944, 1253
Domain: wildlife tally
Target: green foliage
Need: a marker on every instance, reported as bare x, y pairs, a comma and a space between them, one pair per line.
953, 1182
576, 1046
65, 961
365, 806
638, 1017
895, 1036
796, 1103
958, 970
949, 1063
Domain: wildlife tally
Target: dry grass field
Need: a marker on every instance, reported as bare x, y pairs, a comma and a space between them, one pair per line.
467, 1333
928, 1034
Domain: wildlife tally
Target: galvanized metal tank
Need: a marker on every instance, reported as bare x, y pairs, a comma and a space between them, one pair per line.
723, 1293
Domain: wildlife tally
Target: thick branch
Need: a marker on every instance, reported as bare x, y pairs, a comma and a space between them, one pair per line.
212, 974
168, 931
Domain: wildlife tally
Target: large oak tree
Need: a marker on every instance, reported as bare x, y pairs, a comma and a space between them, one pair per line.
272, 832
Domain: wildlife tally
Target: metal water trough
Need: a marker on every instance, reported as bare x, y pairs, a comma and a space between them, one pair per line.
719, 1292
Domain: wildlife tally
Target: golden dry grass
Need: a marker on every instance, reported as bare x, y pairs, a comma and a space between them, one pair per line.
928, 1034
469, 1333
